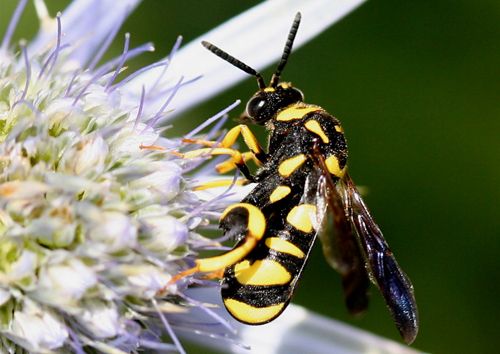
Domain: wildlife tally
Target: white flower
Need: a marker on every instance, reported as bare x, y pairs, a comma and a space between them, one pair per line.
110, 232
165, 233
63, 281
163, 182
102, 319
92, 224
21, 271
145, 280
88, 157
37, 329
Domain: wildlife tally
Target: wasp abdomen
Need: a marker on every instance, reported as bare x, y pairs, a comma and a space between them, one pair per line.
257, 289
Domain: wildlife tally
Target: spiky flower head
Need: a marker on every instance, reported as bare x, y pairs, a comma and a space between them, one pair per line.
89, 221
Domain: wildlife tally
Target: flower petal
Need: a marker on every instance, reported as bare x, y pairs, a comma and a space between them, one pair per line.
37, 330
102, 319
90, 20
297, 331
63, 281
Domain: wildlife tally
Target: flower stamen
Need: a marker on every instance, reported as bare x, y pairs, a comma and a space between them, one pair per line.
141, 105
53, 56
122, 61
24, 50
153, 121
168, 328
12, 25
170, 56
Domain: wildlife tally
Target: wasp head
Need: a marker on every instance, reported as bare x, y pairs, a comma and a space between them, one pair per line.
270, 98
267, 102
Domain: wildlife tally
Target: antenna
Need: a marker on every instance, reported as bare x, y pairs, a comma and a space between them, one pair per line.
232, 60
286, 51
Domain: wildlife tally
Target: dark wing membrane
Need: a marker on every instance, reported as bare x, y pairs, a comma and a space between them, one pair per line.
385, 272
341, 250
257, 289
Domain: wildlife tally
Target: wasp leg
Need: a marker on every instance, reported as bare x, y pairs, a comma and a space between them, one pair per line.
231, 137
218, 274
237, 220
249, 138
160, 148
256, 152
236, 158
228, 165
220, 183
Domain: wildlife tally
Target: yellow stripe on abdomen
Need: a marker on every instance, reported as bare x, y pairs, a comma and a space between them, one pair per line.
283, 246
301, 217
279, 193
250, 314
262, 272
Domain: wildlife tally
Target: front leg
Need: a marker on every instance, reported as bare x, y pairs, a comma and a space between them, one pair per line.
236, 158
256, 151
231, 137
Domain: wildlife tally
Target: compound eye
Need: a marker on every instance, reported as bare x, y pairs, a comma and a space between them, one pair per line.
256, 106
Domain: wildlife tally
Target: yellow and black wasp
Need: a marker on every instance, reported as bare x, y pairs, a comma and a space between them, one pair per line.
301, 176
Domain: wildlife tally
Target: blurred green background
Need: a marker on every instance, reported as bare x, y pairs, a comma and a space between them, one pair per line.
417, 87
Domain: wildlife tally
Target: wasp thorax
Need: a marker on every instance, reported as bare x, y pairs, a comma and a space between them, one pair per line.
267, 102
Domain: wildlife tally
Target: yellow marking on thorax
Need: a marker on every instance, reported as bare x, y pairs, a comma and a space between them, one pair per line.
277, 244
301, 217
287, 167
251, 314
296, 112
279, 193
269, 89
339, 129
314, 126
261, 272
332, 163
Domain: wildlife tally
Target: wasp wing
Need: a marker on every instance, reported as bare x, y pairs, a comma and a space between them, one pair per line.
359, 237
384, 271
342, 251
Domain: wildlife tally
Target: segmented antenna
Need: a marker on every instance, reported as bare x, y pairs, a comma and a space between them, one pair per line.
286, 51
232, 60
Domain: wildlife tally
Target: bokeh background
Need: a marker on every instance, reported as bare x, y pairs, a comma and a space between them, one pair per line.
417, 87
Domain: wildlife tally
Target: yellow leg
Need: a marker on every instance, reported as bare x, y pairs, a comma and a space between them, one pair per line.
220, 183
248, 137
152, 147
228, 165
160, 148
236, 156
256, 226
201, 142
231, 137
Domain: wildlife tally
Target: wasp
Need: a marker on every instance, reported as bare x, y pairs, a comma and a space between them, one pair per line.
302, 177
